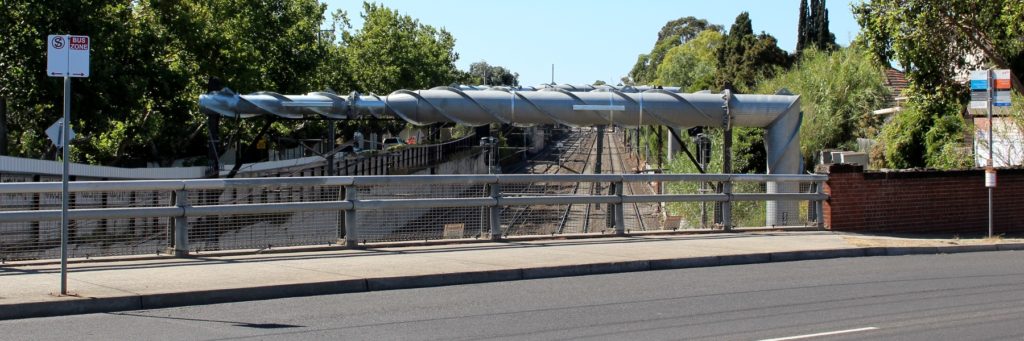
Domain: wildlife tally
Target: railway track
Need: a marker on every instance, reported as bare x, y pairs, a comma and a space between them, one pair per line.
577, 155
535, 219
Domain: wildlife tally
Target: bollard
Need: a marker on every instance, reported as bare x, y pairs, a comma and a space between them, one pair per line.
180, 225
351, 221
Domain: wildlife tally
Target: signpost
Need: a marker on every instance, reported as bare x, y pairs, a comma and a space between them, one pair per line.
67, 56
990, 88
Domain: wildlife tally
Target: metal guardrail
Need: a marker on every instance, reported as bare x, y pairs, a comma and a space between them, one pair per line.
187, 216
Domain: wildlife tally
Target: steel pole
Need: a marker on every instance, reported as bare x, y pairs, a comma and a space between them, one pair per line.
991, 147
64, 137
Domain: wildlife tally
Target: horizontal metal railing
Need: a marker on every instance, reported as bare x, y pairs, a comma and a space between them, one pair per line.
126, 217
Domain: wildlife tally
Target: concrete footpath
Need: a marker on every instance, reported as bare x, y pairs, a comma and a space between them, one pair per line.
116, 285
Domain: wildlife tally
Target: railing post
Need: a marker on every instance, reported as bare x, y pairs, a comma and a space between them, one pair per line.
351, 221
619, 212
495, 219
180, 231
819, 208
812, 209
727, 205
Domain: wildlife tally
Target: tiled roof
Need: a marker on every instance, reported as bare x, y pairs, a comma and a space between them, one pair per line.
896, 81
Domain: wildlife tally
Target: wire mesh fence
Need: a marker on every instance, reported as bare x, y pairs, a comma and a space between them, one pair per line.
384, 225
267, 213
707, 214
36, 239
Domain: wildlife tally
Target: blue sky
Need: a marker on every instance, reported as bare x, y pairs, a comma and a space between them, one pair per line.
587, 40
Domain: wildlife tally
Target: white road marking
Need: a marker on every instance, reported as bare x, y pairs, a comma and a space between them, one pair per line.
807, 336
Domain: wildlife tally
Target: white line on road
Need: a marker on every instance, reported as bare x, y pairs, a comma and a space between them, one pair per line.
807, 336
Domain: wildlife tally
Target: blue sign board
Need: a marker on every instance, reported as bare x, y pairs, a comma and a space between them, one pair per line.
979, 84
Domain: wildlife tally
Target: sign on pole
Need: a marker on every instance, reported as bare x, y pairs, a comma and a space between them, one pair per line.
1001, 94
979, 89
57, 55
54, 132
67, 56
990, 177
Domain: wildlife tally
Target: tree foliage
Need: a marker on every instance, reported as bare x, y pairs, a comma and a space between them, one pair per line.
812, 30
744, 57
151, 59
673, 34
483, 73
838, 91
132, 84
691, 66
935, 42
394, 51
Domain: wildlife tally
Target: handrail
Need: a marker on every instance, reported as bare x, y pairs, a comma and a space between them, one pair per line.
215, 184
309, 197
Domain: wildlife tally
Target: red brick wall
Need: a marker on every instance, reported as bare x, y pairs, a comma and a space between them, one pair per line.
921, 201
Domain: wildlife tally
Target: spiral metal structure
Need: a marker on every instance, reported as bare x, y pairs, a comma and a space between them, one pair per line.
629, 107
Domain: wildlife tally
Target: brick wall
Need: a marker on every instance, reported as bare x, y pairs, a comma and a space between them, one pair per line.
921, 201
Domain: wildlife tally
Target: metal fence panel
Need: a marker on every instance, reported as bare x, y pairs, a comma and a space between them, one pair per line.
263, 213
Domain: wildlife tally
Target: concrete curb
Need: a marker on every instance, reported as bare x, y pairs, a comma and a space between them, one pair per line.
165, 300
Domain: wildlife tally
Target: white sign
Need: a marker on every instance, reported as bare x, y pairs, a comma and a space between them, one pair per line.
990, 178
67, 56
54, 133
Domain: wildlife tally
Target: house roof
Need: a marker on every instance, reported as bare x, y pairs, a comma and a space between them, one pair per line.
896, 81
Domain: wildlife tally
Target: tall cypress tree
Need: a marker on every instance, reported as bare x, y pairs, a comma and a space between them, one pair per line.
813, 27
801, 31
745, 57
826, 40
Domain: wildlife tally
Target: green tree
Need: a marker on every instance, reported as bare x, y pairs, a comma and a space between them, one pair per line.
801, 27
691, 65
394, 51
742, 60
483, 73
251, 46
838, 91
128, 88
934, 42
673, 34
744, 57
812, 30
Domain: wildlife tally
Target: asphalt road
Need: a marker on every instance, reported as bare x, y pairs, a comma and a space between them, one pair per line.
969, 296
